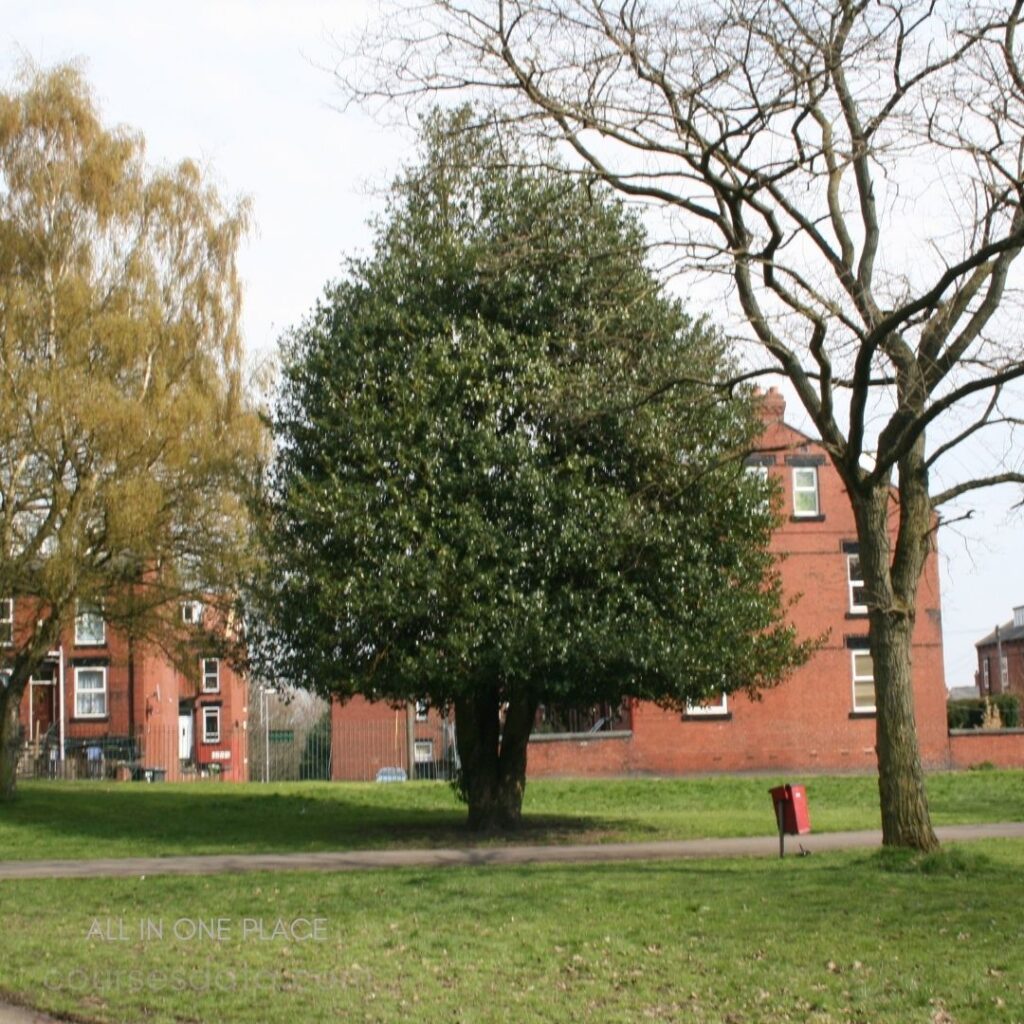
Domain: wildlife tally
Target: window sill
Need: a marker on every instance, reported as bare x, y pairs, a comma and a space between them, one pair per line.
709, 716
580, 737
88, 718
807, 519
863, 714
856, 615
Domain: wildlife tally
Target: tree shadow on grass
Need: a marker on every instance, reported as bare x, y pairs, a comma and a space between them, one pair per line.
77, 820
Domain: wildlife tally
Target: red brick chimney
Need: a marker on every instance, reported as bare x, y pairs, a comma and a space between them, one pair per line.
772, 405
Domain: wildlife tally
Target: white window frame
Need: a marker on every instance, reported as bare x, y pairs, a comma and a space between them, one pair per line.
861, 678
423, 752
192, 612
1004, 673
6, 621
207, 675
812, 489
422, 711
708, 710
86, 611
211, 711
79, 691
985, 677
853, 583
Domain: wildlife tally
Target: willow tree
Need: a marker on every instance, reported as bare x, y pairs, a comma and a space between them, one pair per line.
125, 432
854, 171
477, 501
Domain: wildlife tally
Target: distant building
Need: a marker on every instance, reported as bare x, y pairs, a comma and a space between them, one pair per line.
104, 706
1001, 658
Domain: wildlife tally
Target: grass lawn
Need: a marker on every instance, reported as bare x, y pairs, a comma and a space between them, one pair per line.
838, 937
84, 819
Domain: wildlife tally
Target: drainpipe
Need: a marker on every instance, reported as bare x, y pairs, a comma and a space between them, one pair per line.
999, 662
410, 737
60, 698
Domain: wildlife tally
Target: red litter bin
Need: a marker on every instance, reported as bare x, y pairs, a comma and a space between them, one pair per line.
791, 812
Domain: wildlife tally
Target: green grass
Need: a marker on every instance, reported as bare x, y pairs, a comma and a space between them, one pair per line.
849, 937
82, 819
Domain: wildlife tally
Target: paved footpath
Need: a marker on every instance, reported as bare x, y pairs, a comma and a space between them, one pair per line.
480, 856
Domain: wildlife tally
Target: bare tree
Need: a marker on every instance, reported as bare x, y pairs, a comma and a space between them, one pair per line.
855, 168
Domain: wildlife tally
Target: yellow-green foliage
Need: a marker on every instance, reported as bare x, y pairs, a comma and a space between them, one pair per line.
126, 434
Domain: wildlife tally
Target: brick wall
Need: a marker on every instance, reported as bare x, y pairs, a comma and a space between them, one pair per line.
1003, 748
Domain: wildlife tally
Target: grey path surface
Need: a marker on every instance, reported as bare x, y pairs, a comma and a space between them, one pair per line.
19, 1015
360, 860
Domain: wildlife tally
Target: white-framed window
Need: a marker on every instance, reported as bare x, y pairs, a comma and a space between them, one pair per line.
709, 708
211, 675
422, 710
1004, 673
90, 692
90, 629
423, 751
211, 724
805, 491
192, 612
855, 583
986, 681
863, 681
6, 621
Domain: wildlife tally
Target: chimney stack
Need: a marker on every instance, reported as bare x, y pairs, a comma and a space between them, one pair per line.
772, 404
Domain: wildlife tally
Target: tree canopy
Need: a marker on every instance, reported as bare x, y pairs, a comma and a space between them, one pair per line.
126, 435
494, 487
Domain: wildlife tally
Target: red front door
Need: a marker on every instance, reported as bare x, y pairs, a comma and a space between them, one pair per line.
44, 712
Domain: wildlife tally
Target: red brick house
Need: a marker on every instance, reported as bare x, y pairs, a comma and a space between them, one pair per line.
101, 702
820, 719
1001, 658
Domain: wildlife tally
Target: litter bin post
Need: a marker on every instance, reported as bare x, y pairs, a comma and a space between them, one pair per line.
791, 813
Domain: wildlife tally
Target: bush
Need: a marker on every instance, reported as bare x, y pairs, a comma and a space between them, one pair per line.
965, 714
970, 713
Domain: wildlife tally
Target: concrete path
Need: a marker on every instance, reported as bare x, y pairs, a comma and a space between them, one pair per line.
19, 1015
361, 860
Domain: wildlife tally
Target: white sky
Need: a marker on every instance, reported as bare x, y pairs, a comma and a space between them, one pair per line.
239, 85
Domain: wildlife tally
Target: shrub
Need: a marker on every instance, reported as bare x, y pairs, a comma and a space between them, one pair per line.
970, 712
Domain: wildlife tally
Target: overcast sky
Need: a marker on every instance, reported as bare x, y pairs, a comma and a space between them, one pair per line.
239, 85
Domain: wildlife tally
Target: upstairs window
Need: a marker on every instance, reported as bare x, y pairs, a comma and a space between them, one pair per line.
211, 675
855, 583
191, 612
90, 629
805, 491
6, 621
422, 711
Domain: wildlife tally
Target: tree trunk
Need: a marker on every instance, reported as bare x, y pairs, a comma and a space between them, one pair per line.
892, 599
905, 817
10, 742
493, 756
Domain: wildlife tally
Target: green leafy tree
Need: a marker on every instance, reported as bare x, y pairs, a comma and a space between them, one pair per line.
856, 170
125, 433
494, 487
